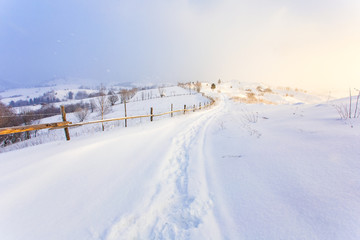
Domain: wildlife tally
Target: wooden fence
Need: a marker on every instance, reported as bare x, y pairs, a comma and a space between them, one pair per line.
66, 124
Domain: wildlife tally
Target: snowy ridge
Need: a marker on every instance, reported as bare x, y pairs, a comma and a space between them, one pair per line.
172, 211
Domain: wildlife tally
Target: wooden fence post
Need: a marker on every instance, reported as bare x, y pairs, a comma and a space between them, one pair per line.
125, 112
194, 108
151, 114
184, 109
63, 113
199, 105
172, 109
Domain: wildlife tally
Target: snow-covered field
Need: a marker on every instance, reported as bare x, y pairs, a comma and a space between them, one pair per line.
136, 106
235, 171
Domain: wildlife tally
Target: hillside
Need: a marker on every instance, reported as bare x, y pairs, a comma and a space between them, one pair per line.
137, 105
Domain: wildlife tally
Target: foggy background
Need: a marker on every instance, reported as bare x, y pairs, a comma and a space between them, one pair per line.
304, 44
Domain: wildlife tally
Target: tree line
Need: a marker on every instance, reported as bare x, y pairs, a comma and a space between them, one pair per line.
46, 98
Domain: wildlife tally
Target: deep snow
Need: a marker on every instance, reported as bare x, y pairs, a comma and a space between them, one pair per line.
234, 171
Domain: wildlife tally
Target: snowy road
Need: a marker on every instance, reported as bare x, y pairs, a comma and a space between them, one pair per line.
213, 174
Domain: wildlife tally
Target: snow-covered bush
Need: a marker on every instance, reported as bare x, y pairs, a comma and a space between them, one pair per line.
348, 111
249, 117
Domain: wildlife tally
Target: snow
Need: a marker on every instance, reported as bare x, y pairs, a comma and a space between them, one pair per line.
294, 176
234, 171
136, 106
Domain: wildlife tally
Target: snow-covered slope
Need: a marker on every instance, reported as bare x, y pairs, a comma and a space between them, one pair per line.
60, 89
260, 93
138, 105
235, 171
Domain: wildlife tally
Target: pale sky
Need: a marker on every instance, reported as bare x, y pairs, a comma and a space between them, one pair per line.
298, 43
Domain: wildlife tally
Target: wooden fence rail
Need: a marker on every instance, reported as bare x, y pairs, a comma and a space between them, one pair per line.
9, 130
66, 124
123, 118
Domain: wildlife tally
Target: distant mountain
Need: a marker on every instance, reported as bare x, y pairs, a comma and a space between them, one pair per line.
71, 81
91, 83
134, 85
5, 85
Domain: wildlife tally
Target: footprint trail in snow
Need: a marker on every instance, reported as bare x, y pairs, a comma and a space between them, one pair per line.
174, 210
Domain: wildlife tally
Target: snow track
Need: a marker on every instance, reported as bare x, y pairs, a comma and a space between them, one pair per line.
173, 209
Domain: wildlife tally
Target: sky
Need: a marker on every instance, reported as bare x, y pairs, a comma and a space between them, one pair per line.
298, 43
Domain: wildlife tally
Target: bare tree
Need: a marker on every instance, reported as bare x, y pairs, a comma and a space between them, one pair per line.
103, 106
198, 86
92, 105
102, 89
82, 113
70, 95
133, 91
37, 121
113, 98
142, 95
8, 119
350, 103
124, 94
7, 116
26, 117
357, 103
